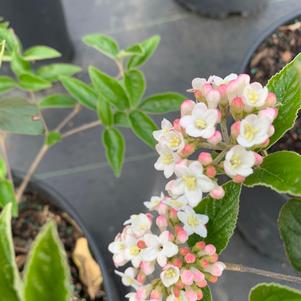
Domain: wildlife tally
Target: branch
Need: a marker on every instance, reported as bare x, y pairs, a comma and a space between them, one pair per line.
243, 269
69, 117
5, 157
81, 128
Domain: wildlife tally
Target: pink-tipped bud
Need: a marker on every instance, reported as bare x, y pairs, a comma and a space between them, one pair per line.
177, 262
150, 216
200, 245
204, 263
213, 98
212, 279
235, 129
202, 283
147, 267
198, 275
162, 208
237, 105
156, 295
176, 291
182, 235
162, 222
258, 159
184, 251
141, 277
188, 150
176, 125
210, 249
271, 99
199, 295
187, 277
191, 295
213, 258
190, 258
198, 95
173, 214
205, 158
215, 138
141, 244
216, 269
266, 142
187, 107
270, 113
238, 179
271, 130
171, 237
211, 171
217, 193
222, 89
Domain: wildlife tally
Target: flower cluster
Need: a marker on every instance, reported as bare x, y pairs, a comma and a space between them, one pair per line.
182, 272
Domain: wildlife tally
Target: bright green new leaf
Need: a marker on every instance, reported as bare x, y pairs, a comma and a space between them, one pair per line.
32, 82
149, 46
114, 144
121, 119
143, 127
10, 282
53, 138
19, 65
3, 169
135, 49
287, 86
104, 111
134, 82
109, 87
82, 92
280, 171
274, 292
19, 116
57, 101
11, 40
47, 274
36, 53
7, 195
162, 103
52, 72
222, 215
6, 83
2, 49
102, 43
290, 229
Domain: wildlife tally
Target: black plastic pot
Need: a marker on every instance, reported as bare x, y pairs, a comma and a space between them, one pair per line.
224, 8
260, 206
55, 198
39, 22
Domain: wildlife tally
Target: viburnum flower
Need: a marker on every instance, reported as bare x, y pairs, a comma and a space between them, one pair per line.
170, 275
128, 278
155, 202
255, 95
140, 224
166, 126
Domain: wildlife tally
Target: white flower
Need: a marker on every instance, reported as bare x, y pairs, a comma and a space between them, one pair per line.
140, 224
142, 294
177, 203
166, 126
128, 277
201, 123
132, 251
191, 182
254, 130
198, 83
255, 95
193, 222
236, 86
170, 275
182, 297
174, 140
117, 248
239, 161
154, 202
167, 160
158, 248
217, 81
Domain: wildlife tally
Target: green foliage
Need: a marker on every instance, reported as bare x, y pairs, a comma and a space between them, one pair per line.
162, 103
143, 127
57, 101
277, 173
207, 296
6, 84
104, 112
10, 282
134, 82
7, 195
274, 292
19, 65
36, 53
121, 119
290, 230
222, 217
52, 72
115, 148
47, 275
11, 40
287, 86
135, 49
32, 82
53, 138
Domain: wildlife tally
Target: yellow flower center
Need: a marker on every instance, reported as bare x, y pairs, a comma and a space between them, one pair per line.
176, 203
170, 273
142, 226
134, 250
174, 141
253, 96
200, 123
167, 159
193, 221
190, 182
235, 161
249, 131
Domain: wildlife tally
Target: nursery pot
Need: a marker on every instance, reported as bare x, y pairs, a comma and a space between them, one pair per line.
39, 22
224, 8
57, 200
260, 206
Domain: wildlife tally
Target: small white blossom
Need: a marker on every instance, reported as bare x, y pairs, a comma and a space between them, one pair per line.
198, 83
132, 251
193, 222
140, 224
166, 126
201, 123
128, 277
217, 81
254, 130
170, 275
255, 95
154, 202
177, 203
158, 248
182, 297
142, 294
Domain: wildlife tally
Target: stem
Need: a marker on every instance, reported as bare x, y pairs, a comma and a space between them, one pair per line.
34, 165
243, 269
224, 130
5, 157
119, 64
69, 117
219, 157
210, 146
81, 128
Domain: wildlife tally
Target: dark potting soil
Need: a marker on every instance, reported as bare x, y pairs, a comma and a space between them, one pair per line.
270, 57
34, 213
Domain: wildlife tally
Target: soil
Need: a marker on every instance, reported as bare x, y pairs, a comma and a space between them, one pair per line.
34, 212
270, 57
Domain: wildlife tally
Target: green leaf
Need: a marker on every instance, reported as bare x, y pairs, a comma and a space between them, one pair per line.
109, 87
287, 86
19, 65
143, 127
32, 82
3, 169
10, 282
135, 49
53, 138
149, 46
11, 40
104, 112
274, 292
7, 195
134, 82
82, 92
19, 116
280, 171
115, 148
36, 53
222, 217
47, 275
57, 101
206, 294
105, 44
121, 119
52, 72
290, 229
6, 83
162, 103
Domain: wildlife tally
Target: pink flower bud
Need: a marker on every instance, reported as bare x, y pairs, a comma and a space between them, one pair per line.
162, 208
258, 159
184, 251
190, 258
182, 235
205, 158
216, 138
266, 142
213, 98
212, 279
199, 295
177, 262
198, 275
270, 113
156, 295
188, 150
216, 269
171, 237
200, 245
187, 107
162, 222
271, 130
150, 216
191, 295
147, 267
237, 105
271, 100
211, 171
173, 214
238, 179
141, 277
222, 89
198, 95
187, 277
141, 244
176, 125
204, 263
202, 283
210, 249
217, 193
235, 129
